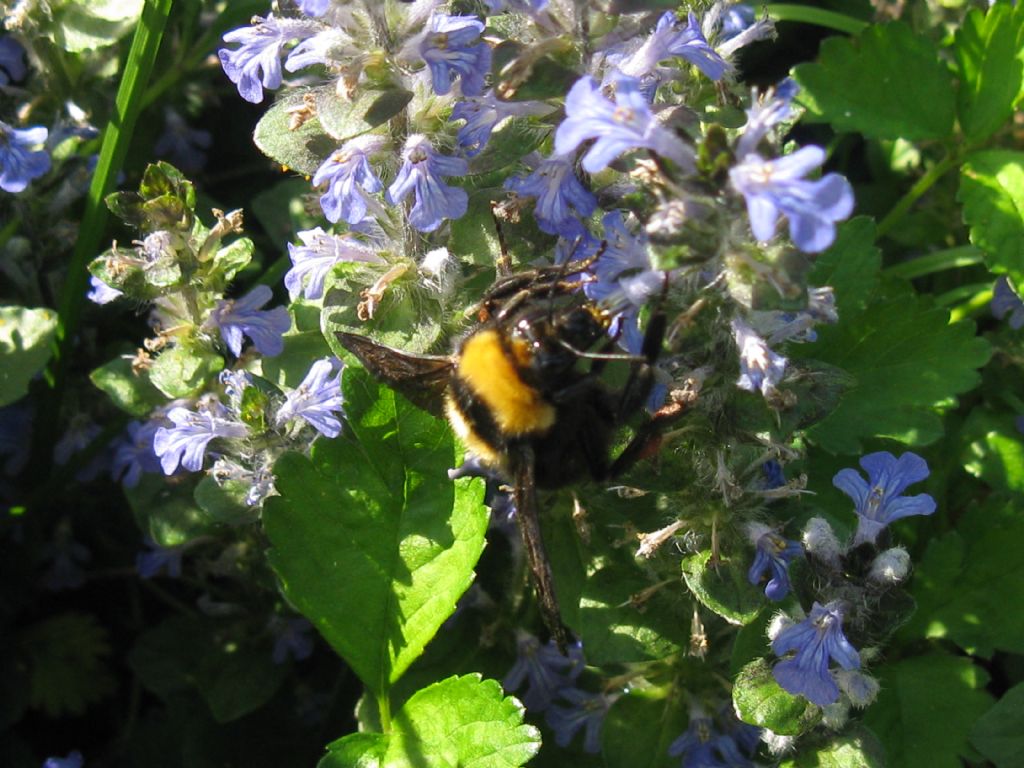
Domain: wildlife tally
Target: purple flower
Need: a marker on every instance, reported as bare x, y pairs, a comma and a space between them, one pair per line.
185, 443
760, 368
703, 746
421, 172
101, 293
134, 454
235, 318
317, 399
737, 18
773, 188
182, 145
73, 760
586, 710
765, 113
313, 8
1005, 301
689, 43
349, 179
21, 158
620, 125
293, 637
774, 476
256, 64
12, 60
816, 640
561, 198
156, 559
879, 501
773, 555
544, 669
452, 48
320, 251
483, 114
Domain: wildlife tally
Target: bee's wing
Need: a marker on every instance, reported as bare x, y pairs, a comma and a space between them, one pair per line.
523, 462
422, 379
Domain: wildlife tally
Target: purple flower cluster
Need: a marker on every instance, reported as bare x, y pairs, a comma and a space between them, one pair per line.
21, 157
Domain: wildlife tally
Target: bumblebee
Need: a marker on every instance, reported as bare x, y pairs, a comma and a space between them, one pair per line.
524, 392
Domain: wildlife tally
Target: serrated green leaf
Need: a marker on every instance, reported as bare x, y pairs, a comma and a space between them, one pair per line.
992, 194
357, 750
302, 149
861, 85
372, 541
999, 733
67, 666
906, 357
723, 587
850, 265
616, 627
344, 119
181, 371
925, 709
988, 54
461, 721
761, 701
167, 512
25, 336
857, 748
132, 393
968, 578
638, 731
993, 450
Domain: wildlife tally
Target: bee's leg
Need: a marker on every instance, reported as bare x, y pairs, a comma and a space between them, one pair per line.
523, 465
647, 440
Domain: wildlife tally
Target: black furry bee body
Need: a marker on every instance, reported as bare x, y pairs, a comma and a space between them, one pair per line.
525, 394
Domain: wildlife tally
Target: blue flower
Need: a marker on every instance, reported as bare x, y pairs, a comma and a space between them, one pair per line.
703, 746
816, 640
766, 112
561, 198
256, 64
586, 710
235, 318
21, 160
317, 399
544, 669
774, 476
12, 61
689, 43
483, 114
182, 145
292, 637
73, 760
349, 179
101, 293
134, 454
452, 48
421, 172
1005, 301
320, 251
879, 501
156, 559
737, 18
773, 188
620, 125
185, 443
760, 368
313, 8
772, 557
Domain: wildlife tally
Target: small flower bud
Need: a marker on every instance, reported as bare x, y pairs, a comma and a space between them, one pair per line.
860, 688
779, 622
777, 743
821, 542
891, 566
835, 716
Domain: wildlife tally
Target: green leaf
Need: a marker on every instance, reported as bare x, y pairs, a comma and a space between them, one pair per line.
233, 258
25, 336
723, 587
67, 666
992, 194
638, 731
236, 680
857, 748
357, 750
761, 701
988, 54
343, 119
993, 450
302, 149
184, 372
167, 512
132, 393
618, 624
925, 709
968, 578
906, 359
371, 540
225, 502
84, 25
863, 85
999, 733
461, 721
850, 265
166, 657
288, 369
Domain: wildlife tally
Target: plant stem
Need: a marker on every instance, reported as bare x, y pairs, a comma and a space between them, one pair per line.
817, 16
926, 182
937, 261
384, 707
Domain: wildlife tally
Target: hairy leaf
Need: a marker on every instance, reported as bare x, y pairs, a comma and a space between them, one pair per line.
722, 587
761, 701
